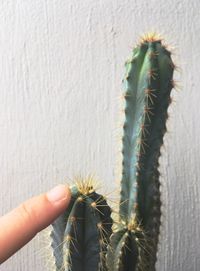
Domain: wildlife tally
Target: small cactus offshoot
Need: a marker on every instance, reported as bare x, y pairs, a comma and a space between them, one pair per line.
81, 235
81, 238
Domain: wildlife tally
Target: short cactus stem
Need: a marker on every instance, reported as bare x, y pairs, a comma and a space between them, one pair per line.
81, 235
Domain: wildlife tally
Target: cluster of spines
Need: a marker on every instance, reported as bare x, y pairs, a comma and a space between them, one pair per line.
83, 231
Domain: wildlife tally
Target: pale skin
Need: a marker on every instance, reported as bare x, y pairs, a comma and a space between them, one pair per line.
20, 225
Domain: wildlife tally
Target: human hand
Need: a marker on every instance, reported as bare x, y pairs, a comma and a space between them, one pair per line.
20, 225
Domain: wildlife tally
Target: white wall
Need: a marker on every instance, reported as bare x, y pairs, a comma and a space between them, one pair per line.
61, 65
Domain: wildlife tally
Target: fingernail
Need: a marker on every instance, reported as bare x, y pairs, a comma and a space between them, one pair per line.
57, 193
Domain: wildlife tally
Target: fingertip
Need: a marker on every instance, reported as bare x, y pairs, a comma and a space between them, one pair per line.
59, 195
24, 222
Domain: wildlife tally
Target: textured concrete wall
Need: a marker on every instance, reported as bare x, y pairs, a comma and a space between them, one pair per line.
61, 65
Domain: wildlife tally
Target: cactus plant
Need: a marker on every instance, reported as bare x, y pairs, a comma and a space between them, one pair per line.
81, 236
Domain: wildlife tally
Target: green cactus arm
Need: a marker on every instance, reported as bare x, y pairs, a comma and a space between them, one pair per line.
148, 85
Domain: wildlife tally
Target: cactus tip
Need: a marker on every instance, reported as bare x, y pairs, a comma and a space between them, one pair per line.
151, 37
86, 185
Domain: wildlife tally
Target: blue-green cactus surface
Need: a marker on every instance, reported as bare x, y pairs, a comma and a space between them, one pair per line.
81, 235
148, 83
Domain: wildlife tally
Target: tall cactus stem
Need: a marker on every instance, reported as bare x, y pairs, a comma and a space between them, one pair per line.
148, 83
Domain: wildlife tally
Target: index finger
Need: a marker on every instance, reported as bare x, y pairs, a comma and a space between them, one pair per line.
20, 225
